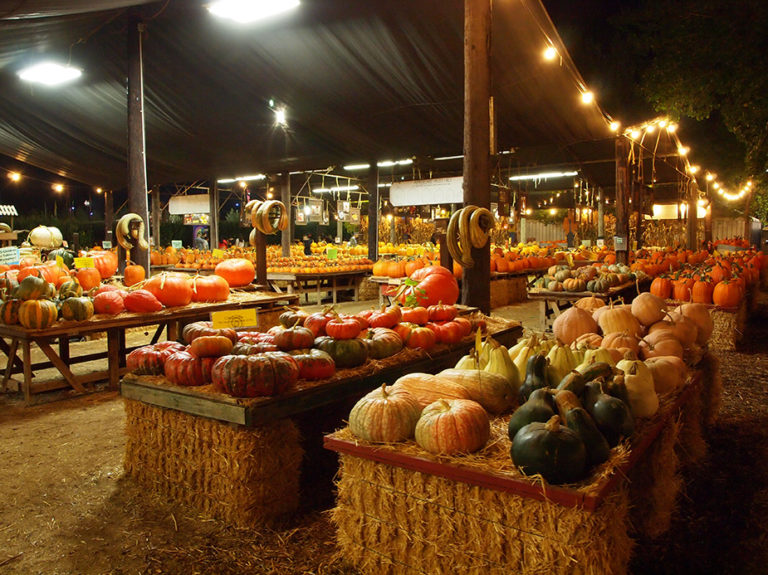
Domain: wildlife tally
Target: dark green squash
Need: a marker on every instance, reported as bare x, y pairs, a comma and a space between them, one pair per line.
76, 308
67, 257
535, 375
613, 418
617, 388
550, 449
573, 381
345, 352
32, 287
539, 407
597, 369
591, 392
595, 443
70, 288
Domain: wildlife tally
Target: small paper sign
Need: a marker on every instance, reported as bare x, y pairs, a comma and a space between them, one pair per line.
218, 254
176, 244
81, 263
106, 244
332, 253
234, 318
60, 261
600, 242
9, 255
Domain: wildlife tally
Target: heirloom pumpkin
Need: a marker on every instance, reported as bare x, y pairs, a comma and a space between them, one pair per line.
89, 278
385, 415
491, 390
150, 359
669, 372
700, 315
415, 336
427, 388
296, 337
262, 374
211, 346
185, 368
573, 323
193, 330
345, 352
382, 342
38, 313
77, 308
133, 274
648, 308
70, 288
450, 426
9, 311
433, 284
314, 363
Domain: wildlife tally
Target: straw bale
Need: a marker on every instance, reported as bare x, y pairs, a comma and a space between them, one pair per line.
518, 289
656, 483
499, 292
368, 289
728, 328
269, 318
244, 476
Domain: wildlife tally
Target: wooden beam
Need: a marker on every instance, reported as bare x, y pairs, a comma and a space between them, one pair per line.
476, 282
157, 210
600, 213
622, 198
137, 160
692, 227
261, 259
373, 211
286, 236
213, 220
109, 216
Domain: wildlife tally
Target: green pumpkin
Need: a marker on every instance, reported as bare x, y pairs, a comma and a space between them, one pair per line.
539, 407
9, 311
70, 288
595, 443
32, 287
535, 375
67, 256
549, 449
345, 352
77, 308
613, 418
38, 313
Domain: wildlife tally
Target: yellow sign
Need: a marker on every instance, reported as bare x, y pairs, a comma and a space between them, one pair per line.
60, 261
218, 254
84, 263
234, 318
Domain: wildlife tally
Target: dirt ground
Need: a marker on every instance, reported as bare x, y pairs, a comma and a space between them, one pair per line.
65, 508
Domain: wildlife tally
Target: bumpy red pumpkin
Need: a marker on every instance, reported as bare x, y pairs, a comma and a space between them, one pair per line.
343, 328
185, 368
199, 328
434, 284
442, 312
211, 346
386, 317
448, 331
317, 321
150, 359
296, 337
257, 375
314, 363
415, 336
417, 314
249, 347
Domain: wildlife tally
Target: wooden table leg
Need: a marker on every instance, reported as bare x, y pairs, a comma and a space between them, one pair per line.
27, 361
64, 348
334, 290
543, 314
9, 368
113, 357
173, 333
59, 364
11, 357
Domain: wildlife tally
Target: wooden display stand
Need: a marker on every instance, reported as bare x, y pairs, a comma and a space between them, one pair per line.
318, 283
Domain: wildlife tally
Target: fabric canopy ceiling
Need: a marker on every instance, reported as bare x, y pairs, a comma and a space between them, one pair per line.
373, 79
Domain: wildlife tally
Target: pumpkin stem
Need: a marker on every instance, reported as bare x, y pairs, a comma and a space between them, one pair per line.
630, 355
553, 424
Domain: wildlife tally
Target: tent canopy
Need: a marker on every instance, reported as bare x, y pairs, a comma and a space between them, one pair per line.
380, 79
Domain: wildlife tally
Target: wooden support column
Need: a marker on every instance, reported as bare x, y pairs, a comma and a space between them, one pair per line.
261, 259
622, 198
157, 209
692, 216
476, 282
109, 216
213, 220
747, 219
285, 196
373, 211
600, 213
137, 161
708, 224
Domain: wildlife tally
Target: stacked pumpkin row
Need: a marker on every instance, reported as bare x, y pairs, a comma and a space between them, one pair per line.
596, 278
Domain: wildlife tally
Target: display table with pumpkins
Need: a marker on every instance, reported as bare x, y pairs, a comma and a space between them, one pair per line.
554, 469
318, 283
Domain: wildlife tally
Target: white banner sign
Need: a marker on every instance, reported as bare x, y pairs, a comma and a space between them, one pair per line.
427, 192
196, 204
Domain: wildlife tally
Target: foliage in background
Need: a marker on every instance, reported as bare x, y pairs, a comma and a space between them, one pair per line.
90, 229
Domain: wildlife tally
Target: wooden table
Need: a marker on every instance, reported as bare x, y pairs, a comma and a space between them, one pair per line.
553, 303
170, 319
332, 282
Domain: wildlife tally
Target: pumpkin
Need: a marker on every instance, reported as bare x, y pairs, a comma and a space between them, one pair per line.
211, 288
698, 314
142, 301
89, 278
386, 317
292, 316
661, 287
211, 346
345, 352
133, 274
428, 388
77, 309
434, 284
661, 343
385, 415
684, 328
67, 257
382, 342
551, 450
701, 292
448, 331
9, 281
574, 285
643, 401
314, 363
196, 329
237, 271
590, 303
32, 287
45, 237
185, 368
109, 302
669, 372
415, 336
150, 359
296, 337
341, 328
587, 339
249, 347
726, 294
572, 323
442, 312
620, 340
418, 315
648, 308
317, 321
450, 426
170, 289
38, 313
9, 311
261, 374
619, 318
465, 324
491, 390
70, 288
105, 262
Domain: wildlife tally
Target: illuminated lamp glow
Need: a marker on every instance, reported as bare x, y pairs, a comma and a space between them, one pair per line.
615, 126
247, 11
550, 53
587, 97
50, 74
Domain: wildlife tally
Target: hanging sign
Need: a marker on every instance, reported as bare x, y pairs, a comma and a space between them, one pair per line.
235, 318
176, 244
81, 263
9, 255
106, 244
427, 192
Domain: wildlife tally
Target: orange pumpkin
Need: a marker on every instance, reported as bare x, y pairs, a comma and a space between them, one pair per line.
170, 289
89, 278
726, 294
105, 262
237, 271
209, 288
134, 274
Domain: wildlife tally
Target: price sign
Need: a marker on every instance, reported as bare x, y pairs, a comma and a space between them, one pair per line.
9, 255
600, 242
218, 254
619, 243
234, 318
84, 263
176, 244
60, 261
332, 253
106, 244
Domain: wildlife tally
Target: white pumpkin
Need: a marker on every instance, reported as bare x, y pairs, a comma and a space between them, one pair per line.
700, 315
643, 401
669, 372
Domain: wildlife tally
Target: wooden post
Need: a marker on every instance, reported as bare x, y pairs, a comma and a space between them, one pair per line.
600, 214
476, 282
157, 209
747, 220
109, 215
285, 197
213, 214
708, 224
373, 211
137, 161
692, 217
261, 259
622, 199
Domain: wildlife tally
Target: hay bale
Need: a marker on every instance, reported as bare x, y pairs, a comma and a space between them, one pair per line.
269, 318
518, 289
243, 476
691, 446
499, 292
655, 484
728, 329
393, 520
368, 290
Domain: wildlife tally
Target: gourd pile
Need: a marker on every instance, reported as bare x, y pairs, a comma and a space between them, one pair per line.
304, 346
579, 394
595, 278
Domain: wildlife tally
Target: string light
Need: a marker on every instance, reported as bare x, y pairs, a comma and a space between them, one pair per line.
693, 169
99, 190
635, 134
14, 176
683, 150
550, 53
672, 128
57, 188
587, 97
615, 126
710, 176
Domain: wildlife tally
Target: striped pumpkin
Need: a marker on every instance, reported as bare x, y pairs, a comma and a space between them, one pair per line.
9, 311
255, 375
70, 288
38, 313
77, 308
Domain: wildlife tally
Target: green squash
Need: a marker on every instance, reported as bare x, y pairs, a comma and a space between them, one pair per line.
77, 308
535, 375
38, 313
613, 418
9, 311
32, 287
539, 407
573, 381
67, 256
549, 449
595, 443
617, 388
597, 369
345, 352
592, 391
70, 288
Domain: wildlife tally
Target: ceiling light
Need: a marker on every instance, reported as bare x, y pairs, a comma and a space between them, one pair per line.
353, 167
247, 11
442, 158
650, 129
615, 126
662, 124
716, 185
587, 97
280, 117
336, 189
99, 190
50, 74
57, 188
693, 169
14, 176
672, 128
635, 134
550, 53
543, 176
710, 177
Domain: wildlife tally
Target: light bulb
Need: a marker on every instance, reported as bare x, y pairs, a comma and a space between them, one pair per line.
587, 97
550, 53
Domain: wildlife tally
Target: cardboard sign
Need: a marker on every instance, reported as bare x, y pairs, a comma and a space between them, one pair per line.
234, 318
9, 255
81, 263
176, 244
332, 253
106, 244
218, 254
619, 243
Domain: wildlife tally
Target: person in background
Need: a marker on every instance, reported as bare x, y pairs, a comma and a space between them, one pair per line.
200, 242
307, 241
223, 244
353, 241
